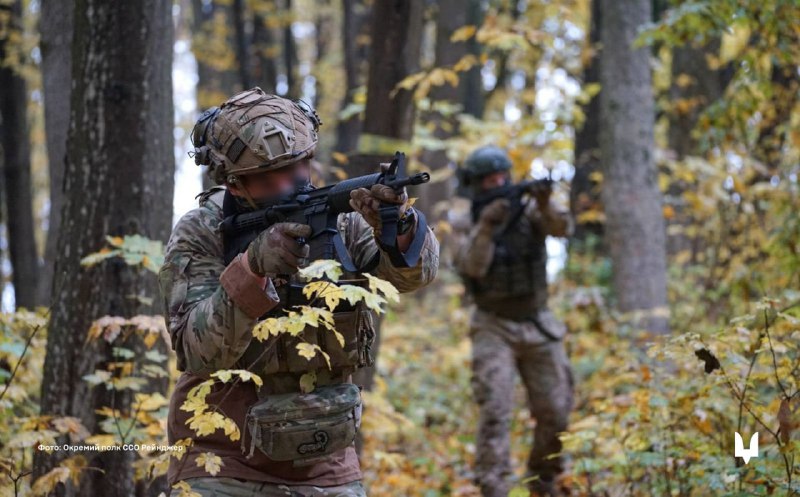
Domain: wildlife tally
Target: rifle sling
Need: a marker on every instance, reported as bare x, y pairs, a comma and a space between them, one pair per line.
390, 215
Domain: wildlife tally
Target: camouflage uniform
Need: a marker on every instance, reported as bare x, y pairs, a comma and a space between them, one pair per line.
231, 487
211, 331
214, 296
516, 335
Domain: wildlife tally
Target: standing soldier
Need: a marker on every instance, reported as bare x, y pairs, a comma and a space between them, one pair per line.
216, 289
502, 260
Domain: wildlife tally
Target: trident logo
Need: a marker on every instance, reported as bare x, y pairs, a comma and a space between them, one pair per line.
740, 451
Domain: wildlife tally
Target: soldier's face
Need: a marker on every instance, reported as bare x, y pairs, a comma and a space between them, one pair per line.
273, 183
494, 180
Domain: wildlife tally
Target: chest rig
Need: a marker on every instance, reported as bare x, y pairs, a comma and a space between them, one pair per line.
276, 360
515, 286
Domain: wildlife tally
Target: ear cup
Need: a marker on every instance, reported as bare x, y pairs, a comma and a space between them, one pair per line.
201, 156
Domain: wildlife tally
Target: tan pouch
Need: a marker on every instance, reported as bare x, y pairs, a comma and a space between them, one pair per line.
305, 427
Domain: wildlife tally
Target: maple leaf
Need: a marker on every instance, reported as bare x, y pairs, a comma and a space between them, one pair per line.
210, 462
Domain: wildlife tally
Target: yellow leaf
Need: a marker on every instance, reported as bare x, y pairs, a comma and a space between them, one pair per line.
231, 430
307, 382
386, 288
210, 462
465, 63
116, 241
307, 350
184, 490
46, 483
323, 268
149, 402
206, 423
339, 157
101, 440
224, 376
463, 33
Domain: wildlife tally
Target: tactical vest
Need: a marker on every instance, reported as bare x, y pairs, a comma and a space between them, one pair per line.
276, 359
515, 286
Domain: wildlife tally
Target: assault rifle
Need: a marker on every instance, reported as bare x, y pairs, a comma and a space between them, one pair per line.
514, 193
320, 209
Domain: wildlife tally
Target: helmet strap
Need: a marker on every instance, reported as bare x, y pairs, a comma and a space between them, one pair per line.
235, 180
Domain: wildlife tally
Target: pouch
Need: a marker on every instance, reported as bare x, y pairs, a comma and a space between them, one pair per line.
305, 428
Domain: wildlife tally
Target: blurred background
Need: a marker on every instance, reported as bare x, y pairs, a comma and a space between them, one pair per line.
672, 128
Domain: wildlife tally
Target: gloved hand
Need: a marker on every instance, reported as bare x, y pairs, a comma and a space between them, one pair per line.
495, 213
367, 202
276, 251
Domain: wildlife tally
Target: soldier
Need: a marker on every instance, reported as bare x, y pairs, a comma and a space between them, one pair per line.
502, 260
259, 146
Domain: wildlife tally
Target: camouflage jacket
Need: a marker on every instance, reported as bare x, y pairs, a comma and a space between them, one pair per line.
210, 323
473, 253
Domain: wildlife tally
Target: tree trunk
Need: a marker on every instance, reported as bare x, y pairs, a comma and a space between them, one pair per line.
266, 71
450, 17
389, 117
474, 97
55, 31
293, 83
354, 16
388, 121
17, 170
241, 43
118, 180
633, 205
215, 83
584, 191
694, 87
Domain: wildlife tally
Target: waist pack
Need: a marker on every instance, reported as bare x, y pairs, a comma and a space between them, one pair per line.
305, 428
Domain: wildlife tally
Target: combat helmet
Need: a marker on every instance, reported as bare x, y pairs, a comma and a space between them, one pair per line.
481, 162
253, 132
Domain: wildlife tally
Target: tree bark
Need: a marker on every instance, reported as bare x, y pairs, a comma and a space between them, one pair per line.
241, 43
633, 204
55, 30
451, 16
293, 82
474, 97
266, 71
395, 51
354, 22
214, 83
17, 171
118, 180
694, 87
584, 191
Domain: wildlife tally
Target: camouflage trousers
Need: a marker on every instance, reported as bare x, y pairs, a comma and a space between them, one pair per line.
232, 487
497, 356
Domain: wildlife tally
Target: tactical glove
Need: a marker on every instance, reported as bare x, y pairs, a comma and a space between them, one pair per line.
367, 202
495, 213
276, 250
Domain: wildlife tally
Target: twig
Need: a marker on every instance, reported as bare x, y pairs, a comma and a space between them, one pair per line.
21, 358
774, 359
